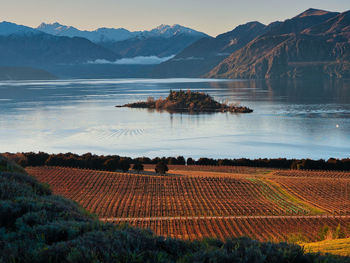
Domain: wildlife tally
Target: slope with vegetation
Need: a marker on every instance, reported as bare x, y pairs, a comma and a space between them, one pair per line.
334, 246
36, 226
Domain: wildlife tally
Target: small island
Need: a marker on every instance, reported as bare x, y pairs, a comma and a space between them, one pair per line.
188, 101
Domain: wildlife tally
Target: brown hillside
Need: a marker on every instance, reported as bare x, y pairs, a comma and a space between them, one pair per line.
294, 51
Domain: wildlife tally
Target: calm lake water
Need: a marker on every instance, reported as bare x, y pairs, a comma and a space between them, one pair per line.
291, 119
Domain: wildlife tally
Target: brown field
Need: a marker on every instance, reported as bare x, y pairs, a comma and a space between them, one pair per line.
211, 202
329, 194
307, 173
260, 228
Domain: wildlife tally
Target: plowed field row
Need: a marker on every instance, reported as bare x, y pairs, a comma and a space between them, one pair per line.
308, 174
110, 194
330, 194
263, 229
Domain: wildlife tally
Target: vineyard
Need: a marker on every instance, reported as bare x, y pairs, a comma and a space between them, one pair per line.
307, 173
329, 194
260, 204
213, 168
259, 228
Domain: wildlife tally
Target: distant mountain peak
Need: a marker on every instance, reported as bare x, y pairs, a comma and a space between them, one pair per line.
44, 25
167, 31
335, 25
250, 26
117, 34
9, 28
98, 35
313, 44
54, 27
313, 12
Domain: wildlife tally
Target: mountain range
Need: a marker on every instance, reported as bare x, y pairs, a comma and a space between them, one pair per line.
117, 34
162, 41
204, 54
315, 43
25, 46
56, 44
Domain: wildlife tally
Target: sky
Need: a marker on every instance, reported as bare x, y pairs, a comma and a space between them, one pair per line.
212, 17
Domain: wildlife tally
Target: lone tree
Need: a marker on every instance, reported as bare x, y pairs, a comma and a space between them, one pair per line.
138, 167
124, 165
190, 161
161, 168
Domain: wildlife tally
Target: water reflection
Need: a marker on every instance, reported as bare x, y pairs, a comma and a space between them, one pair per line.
290, 119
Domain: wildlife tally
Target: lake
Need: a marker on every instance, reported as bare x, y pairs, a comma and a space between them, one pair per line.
293, 119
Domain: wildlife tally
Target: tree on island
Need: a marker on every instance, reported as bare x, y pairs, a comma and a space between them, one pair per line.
161, 168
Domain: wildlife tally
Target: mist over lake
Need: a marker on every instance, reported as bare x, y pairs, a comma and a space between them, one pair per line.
295, 119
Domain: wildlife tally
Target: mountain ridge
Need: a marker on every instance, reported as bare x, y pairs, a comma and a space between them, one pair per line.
104, 34
37, 49
314, 43
162, 41
292, 51
204, 54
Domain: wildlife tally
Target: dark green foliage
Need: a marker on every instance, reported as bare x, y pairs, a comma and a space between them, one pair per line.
111, 164
161, 168
339, 232
190, 161
124, 165
38, 188
115, 162
38, 227
138, 166
324, 231
10, 189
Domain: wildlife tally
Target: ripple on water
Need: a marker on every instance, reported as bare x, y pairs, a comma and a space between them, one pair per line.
104, 134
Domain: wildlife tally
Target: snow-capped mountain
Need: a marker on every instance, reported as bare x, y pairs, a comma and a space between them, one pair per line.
167, 31
98, 35
162, 41
118, 34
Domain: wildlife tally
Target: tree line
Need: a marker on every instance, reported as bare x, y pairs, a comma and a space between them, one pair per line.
116, 162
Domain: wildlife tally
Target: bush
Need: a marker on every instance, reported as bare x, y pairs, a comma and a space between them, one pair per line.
138, 167
190, 161
161, 168
124, 165
111, 164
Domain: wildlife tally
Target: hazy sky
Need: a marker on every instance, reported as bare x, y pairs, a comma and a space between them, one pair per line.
212, 17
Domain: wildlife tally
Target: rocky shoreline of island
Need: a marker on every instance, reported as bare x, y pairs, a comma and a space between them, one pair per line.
187, 102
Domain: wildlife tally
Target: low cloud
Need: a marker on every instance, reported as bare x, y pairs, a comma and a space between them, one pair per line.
188, 58
223, 54
151, 60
